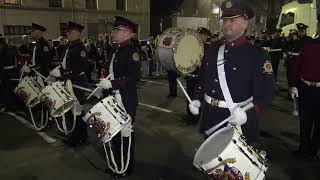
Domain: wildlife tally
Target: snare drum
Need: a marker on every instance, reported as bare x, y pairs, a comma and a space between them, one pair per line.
29, 90
107, 118
180, 50
57, 99
225, 154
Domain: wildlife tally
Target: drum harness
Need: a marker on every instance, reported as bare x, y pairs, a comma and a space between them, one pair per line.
128, 127
228, 103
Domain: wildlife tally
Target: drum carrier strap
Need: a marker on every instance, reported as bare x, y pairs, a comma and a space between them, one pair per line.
231, 105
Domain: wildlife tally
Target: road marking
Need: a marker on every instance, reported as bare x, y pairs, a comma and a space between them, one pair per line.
157, 108
44, 136
154, 82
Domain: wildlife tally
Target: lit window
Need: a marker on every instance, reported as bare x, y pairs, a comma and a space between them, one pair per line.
12, 1
122, 5
55, 3
91, 4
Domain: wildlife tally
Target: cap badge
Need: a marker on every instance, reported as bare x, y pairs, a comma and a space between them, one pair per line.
229, 4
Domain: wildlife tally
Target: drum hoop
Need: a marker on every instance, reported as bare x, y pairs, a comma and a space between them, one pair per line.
209, 165
182, 33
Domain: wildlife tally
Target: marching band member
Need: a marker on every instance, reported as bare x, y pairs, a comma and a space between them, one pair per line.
73, 67
7, 71
234, 76
304, 83
192, 78
124, 70
41, 54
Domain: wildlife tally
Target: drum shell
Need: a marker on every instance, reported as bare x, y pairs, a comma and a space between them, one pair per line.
107, 111
172, 46
247, 160
62, 99
30, 87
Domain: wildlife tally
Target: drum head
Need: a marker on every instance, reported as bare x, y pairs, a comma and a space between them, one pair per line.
180, 50
213, 146
188, 54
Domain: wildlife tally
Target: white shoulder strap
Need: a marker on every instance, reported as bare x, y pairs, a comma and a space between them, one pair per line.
64, 62
223, 80
34, 55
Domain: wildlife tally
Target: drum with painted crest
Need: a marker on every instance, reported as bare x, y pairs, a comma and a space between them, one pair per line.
225, 154
29, 90
57, 99
107, 118
180, 50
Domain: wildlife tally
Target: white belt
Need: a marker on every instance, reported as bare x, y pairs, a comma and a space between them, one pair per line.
8, 67
309, 83
81, 74
293, 54
223, 104
275, 50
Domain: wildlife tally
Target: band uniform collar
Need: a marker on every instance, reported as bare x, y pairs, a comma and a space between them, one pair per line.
124, 43
241, 40
78, 41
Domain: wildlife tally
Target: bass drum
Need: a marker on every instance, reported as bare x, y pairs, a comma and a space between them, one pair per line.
180, 50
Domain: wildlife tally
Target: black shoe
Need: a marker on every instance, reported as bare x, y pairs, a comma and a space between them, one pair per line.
3, 108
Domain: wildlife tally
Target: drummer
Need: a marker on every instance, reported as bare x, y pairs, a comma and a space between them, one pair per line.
124, 70
73, 66
193, 78
245, 77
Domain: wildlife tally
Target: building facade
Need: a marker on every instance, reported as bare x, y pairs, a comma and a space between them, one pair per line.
96, 15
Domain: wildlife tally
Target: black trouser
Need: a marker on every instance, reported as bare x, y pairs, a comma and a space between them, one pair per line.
191, 87
116, 149
309, 114
275, 61
151, 66
80, 132
172, 78
7, 96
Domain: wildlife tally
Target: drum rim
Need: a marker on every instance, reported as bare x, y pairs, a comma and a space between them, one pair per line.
183, 32
225, 151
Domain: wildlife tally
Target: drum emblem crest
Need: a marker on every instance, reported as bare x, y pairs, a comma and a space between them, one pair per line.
167, 41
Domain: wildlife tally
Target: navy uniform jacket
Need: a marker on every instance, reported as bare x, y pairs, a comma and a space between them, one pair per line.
43, 56
75, 65
126, 69
248, 73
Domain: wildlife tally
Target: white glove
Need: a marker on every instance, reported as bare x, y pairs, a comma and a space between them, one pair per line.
25, 69
194, 107
55, 72
238, 117
294, 92
69, 87
104, 84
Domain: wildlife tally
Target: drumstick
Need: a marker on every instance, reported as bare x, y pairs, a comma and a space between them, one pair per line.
94, 91
214, 128
295, 107
81, 88
184, 91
